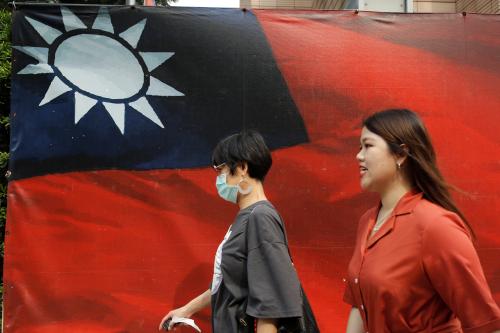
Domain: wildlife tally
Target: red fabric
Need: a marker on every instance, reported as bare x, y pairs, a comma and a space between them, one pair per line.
342, 66
112, 251
418, 273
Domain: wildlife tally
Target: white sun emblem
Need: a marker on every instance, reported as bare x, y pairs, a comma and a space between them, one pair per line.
98, 65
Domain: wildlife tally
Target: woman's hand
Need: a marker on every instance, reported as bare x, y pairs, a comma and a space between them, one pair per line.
179, 312
195, 305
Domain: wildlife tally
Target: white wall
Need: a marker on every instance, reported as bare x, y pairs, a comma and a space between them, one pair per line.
383, 5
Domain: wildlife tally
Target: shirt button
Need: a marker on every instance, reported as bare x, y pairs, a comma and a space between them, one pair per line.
356, 280
362, 307
344, 280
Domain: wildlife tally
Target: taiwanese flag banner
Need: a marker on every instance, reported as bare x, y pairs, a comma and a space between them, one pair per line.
113, 216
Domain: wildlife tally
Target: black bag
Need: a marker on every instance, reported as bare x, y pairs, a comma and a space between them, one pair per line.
305, 324
246, 323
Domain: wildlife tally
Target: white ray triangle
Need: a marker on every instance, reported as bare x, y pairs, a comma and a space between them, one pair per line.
158, 88
46, 32
103, 21
117, 112
83, 104
56, 88
142, 105
36, 69
39, 53
133, 34
155, 59
71, 21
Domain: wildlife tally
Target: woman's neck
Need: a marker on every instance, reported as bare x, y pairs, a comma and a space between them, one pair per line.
256, 195
393, 194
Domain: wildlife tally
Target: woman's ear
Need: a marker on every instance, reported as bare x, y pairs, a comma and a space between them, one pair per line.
403, 155
242, 169
405, 148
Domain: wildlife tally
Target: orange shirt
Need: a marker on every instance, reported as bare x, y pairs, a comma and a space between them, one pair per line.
419, 273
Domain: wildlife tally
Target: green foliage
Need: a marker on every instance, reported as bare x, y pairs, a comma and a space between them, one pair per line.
3, 213
4, 159
5, 122
5, 50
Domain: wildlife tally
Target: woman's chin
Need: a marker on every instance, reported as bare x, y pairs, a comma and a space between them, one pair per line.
365, 186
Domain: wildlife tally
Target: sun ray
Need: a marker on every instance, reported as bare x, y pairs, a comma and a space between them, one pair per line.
83, 104
155, 59
133, 34
48, 33
117, 113
103, 21
158, 88
143, 107
56, 88
71, 21
36, 69
39, 53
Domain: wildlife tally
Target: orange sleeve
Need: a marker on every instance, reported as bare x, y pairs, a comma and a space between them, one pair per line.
452, 264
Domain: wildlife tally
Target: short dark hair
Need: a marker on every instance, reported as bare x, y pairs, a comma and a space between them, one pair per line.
245, 147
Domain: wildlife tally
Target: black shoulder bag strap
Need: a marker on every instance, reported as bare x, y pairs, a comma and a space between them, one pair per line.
307, 323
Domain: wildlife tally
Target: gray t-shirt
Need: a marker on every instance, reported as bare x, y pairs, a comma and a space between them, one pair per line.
255, 266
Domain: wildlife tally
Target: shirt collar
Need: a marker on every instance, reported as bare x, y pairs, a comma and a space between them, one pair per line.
404, 206
407, 203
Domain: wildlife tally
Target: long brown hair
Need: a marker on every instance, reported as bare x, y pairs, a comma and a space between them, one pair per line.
406, 134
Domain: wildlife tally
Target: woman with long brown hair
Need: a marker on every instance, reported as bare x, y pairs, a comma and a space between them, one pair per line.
414, 267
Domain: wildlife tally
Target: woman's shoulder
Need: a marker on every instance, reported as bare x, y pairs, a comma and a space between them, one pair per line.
428, 211
262, 211
263, 208
434, 218
264, 225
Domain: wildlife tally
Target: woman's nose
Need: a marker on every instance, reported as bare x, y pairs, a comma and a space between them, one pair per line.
359, 156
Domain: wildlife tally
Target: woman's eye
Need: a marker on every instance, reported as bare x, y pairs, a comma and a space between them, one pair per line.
365, 145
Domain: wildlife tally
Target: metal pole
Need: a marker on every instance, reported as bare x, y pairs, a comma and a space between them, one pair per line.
130, 2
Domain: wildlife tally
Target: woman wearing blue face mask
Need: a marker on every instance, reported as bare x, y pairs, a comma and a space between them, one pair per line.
254, 286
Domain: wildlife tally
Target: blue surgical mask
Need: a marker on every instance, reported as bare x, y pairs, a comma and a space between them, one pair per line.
226, 192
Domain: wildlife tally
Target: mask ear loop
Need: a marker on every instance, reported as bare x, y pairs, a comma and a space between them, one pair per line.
242, 191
